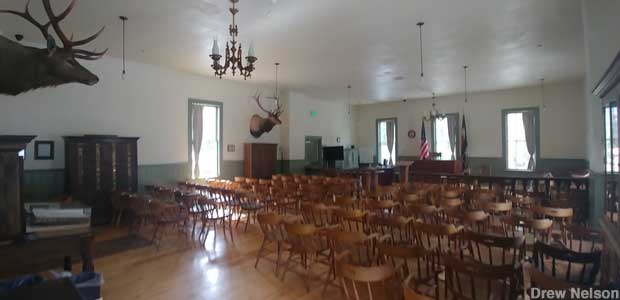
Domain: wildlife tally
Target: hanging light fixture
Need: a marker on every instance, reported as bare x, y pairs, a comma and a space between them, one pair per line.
276, 93
466, 92
123, 19
421, 80
434, 112
234, 54
349, 99
542, 94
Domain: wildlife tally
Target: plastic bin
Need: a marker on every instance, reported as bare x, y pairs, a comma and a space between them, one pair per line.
88, 284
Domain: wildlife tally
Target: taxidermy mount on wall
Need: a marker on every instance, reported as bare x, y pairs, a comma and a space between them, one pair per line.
24, 68
260, 125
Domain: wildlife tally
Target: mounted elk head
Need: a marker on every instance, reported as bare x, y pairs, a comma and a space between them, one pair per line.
25, 68
260, 125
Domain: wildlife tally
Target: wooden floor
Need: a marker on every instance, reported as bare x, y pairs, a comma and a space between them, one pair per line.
187, 270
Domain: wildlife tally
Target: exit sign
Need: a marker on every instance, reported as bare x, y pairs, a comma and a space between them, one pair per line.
314, 113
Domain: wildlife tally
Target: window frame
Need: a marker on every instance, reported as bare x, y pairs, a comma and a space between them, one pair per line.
505, 113
220, 106
458, 135
611, 104
378, 145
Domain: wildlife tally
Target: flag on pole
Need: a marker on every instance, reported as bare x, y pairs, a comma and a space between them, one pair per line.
424, 147
464, 143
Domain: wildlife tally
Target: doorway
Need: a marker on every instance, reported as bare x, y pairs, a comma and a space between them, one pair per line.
205, 138
313, 146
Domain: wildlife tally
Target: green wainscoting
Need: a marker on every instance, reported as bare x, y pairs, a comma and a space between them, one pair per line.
597, 196
162, 174
41, 185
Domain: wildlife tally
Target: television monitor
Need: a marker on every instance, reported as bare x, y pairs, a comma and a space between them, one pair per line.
333, 153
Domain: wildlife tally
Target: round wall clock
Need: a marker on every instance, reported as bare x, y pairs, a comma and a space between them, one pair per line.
411, 134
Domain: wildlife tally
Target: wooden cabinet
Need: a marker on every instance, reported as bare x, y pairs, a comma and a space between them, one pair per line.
12, 222
97, 165
260, 160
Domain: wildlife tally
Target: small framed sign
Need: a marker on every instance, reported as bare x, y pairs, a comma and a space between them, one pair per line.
230, 148
411, 134
44, 150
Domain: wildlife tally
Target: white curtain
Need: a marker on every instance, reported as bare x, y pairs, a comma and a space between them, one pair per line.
453, 121
530, 136
197, 137
389, 127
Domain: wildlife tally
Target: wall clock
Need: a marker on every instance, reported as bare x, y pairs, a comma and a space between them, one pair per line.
411, 134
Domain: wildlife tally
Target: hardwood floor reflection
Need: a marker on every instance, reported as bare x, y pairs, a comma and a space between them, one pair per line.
188, 270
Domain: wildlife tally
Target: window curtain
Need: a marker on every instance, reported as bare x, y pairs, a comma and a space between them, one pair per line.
453, 121
530, 136
197, 127
389, 127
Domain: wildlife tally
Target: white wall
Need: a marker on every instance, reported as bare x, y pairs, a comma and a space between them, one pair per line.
562, 123
150, 103
602, 43
331, 121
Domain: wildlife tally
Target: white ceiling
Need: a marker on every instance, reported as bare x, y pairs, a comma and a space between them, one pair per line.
324, 45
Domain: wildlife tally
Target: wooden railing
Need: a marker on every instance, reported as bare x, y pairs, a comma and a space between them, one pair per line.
547, 187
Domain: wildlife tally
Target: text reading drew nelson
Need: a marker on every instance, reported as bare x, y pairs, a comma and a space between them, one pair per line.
574, 293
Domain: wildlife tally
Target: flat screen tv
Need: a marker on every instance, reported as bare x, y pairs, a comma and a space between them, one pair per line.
333, 153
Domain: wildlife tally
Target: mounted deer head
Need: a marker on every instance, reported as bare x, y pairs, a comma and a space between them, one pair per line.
260, 125
25, 68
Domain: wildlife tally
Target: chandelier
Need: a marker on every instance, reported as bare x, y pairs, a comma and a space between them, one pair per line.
234, 54
434, 113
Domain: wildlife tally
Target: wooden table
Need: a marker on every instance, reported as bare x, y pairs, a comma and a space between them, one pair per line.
36, 254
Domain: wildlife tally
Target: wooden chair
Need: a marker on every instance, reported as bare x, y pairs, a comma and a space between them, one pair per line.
472, 280
346, 202
273, 232
398, 228
250, 204
166, 215
384, 207
424, 213
375, 282
562, 217
438, 237
309, 244
352, 220
420, 267
496, 210
120, 201
533, 278
193, 209
494, 250
583, 239
139, 208
319, 214
476, 220
588, 263
212, 214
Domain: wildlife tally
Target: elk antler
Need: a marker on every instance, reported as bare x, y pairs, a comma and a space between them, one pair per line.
257, 99
44, 28
54, 21
276, 112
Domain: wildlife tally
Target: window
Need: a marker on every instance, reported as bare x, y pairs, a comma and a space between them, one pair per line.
521, 139
611, 138
445, 136
205, 136
386, 140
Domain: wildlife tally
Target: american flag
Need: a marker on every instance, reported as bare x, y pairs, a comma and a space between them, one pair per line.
464, 143
424, 147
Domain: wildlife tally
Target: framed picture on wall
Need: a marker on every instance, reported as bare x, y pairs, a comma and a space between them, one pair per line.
44, 150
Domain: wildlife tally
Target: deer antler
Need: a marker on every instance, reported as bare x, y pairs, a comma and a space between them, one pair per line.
44, 28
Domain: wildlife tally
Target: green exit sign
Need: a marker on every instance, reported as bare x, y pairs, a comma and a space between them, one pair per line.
314, 113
